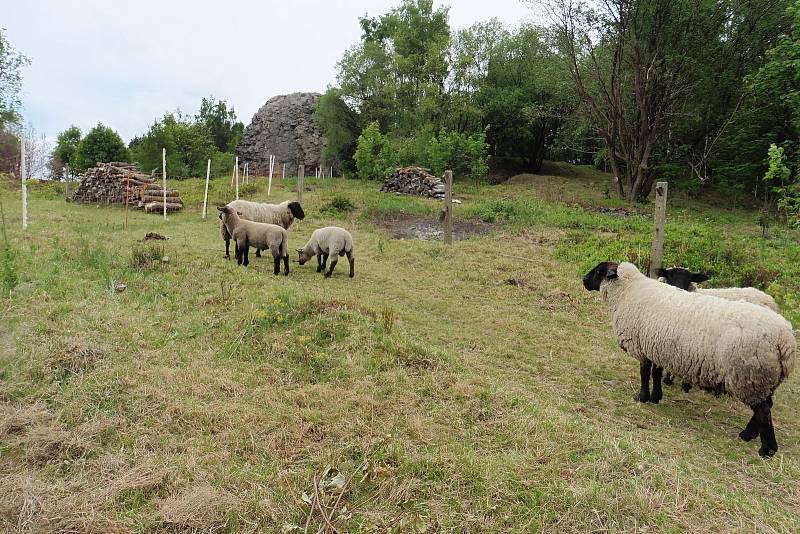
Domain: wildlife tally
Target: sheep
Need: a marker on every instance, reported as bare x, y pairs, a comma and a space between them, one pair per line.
282, 214
260, 235
724, 346
687, 280
329, 241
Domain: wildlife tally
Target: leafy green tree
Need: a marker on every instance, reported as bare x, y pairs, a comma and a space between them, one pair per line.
526, 96
340, 124
224, 129
188, 144
101, 144
67, 144
11, 62
375, 157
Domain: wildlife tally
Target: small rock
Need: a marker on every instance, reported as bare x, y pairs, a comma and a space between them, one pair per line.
119, 287
165, 260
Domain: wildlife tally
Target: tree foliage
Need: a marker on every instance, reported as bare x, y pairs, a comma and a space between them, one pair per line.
11, 62
221, 123
188, 144
101, 144
66, 147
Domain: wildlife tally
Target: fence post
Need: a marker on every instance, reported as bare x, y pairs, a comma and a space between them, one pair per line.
205, 195
283, 171
164, 176
23, 176
65, 174
301, 171
660, 215
448, 207
127, 197
236, 176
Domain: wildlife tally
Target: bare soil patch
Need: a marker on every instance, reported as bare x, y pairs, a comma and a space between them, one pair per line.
430, 229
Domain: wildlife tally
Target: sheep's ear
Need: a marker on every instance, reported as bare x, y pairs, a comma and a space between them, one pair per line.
221, 208
662, 272
698, 278
300, 250
611, 271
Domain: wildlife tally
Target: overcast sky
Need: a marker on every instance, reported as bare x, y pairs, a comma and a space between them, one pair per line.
125, 63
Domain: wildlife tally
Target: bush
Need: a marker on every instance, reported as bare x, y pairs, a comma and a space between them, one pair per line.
465, 155
375, 157
339, 204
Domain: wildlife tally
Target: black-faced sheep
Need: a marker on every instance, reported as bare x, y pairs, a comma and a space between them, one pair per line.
282, 214
329, 241
687, 280
719, 345
260, 235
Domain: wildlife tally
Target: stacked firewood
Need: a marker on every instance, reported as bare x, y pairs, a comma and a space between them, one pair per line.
414, 181
113, 183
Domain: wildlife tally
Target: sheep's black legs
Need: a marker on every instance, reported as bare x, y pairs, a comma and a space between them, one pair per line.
237, 252
319, 263
686, 387
286, 265
246, 254
657, 393
751, 430
762, 413
352, 261
324, 262
258, 253
644, 372
227, 249
669, 379
330, 269
277, 270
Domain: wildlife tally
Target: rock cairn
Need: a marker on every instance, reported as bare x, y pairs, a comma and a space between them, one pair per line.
108, 183
414, 181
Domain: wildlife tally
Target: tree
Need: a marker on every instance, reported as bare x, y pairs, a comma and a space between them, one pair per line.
374, 155
525, 97
341, 126
101, 144
630, 63
66, 147
11, 62
188, 144
224, 129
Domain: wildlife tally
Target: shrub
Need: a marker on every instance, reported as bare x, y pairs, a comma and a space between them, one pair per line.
465, 155
338, 204
375, 157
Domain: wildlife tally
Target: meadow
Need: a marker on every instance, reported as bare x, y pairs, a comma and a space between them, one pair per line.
155, 386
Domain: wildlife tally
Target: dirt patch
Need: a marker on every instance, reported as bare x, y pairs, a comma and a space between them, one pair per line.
430, 229
619, 211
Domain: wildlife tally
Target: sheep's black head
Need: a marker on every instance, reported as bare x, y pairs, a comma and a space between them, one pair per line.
681, 278
297, 211
604, 271
223, 210
302, 256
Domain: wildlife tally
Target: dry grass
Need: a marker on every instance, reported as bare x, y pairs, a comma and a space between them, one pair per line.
471, 388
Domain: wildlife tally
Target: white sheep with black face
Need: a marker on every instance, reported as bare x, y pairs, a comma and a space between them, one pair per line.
720, 345
332, 242
282, 214
688, 280
262, 236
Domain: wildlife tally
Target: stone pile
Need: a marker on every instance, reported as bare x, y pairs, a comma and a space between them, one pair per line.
414, 181
110, 183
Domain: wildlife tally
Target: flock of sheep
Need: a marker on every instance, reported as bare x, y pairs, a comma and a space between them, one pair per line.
722, 340
264, 226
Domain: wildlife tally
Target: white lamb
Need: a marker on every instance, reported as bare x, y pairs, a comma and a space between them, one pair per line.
329, 241
282, 214
720, 345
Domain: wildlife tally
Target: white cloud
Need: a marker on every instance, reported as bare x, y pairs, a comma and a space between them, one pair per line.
126, 63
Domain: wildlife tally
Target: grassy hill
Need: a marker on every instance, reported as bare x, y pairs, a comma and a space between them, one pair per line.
472, 388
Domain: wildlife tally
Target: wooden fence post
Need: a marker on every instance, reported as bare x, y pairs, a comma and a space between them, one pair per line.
448, 207
23, 176
205, 195
164, 177
660, 215
283, 171
236, 176
301, 171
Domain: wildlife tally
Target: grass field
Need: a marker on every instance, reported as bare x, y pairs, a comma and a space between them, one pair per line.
472, 388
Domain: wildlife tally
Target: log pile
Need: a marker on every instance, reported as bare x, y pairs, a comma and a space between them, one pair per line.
414, 181
109, 183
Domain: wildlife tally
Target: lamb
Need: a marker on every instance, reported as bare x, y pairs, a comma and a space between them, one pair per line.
282, 214
260, 235
723, 346
687, 280
329, 241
